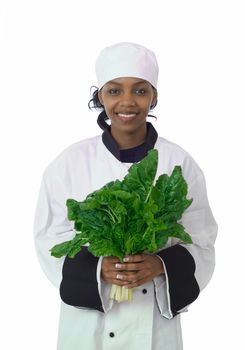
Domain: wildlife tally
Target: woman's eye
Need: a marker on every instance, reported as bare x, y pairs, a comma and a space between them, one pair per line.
140, 92
113, 91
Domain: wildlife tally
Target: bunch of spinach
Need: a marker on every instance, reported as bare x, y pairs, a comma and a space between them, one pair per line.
129, 216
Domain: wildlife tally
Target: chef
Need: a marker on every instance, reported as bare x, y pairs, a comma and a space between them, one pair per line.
164, 284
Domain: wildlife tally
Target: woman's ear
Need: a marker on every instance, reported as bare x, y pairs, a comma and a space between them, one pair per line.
154, 99
155, 96
100, 97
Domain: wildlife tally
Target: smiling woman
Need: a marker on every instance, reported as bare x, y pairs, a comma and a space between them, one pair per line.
165, 282
127, 102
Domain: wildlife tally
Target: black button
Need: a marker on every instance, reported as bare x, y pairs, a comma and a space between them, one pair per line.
144, 291
112, 334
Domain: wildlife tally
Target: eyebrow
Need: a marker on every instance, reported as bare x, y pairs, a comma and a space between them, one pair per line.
137, 83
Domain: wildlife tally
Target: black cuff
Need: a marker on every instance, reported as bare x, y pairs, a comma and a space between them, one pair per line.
180, 266
79, 285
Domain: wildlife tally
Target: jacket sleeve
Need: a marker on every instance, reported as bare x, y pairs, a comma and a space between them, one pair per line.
79, 285
75, 277
189, 267
50, 228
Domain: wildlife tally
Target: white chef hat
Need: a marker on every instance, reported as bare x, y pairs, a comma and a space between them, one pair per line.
126, 60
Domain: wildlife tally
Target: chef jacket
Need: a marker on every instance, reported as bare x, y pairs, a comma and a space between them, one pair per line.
89, 319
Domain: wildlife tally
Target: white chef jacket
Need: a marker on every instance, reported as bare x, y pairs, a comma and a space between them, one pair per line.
146, 323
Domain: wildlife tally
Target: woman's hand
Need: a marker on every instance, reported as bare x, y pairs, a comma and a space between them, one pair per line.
133, 272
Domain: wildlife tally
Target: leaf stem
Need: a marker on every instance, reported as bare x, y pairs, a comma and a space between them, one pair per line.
110, 213
148, 195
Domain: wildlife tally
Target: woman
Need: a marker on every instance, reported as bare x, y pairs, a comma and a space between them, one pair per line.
165, 283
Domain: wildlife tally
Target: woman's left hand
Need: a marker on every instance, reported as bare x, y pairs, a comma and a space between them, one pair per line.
139, 269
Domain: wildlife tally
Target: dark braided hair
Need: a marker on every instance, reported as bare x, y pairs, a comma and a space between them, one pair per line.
94, 103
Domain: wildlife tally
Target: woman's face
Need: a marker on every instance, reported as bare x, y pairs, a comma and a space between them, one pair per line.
127, 102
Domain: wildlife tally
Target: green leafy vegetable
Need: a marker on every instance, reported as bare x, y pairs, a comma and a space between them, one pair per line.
129, 216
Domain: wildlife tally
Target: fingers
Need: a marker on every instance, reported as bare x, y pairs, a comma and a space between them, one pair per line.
115, 278
133, 272
131, 263
110, 273
119, 282
110, 260
108, 263
134, 263
135, 258
127, 267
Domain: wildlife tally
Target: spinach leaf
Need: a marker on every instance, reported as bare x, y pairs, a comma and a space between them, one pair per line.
141, 175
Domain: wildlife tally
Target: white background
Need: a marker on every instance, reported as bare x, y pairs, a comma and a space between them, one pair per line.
48, 49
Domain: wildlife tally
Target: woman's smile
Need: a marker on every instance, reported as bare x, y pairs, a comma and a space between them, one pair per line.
127, 116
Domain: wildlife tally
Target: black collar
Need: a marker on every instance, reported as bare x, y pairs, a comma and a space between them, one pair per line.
130, 155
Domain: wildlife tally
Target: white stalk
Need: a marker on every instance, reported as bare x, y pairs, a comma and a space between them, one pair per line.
120, 294
113, 291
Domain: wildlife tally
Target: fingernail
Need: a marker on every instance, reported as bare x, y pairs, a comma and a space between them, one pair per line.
118, 266
126, 259
119, 277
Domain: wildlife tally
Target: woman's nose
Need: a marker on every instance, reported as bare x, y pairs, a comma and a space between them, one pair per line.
127, 99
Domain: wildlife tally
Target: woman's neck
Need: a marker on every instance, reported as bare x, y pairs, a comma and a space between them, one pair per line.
129, 140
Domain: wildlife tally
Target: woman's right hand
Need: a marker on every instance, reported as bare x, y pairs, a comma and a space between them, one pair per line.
110, 271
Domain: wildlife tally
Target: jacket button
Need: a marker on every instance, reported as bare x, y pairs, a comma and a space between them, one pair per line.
144, 291
111, 334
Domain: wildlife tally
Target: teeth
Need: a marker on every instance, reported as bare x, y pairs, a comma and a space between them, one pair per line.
126, 115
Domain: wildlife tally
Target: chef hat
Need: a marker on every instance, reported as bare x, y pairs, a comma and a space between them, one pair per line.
126, 60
